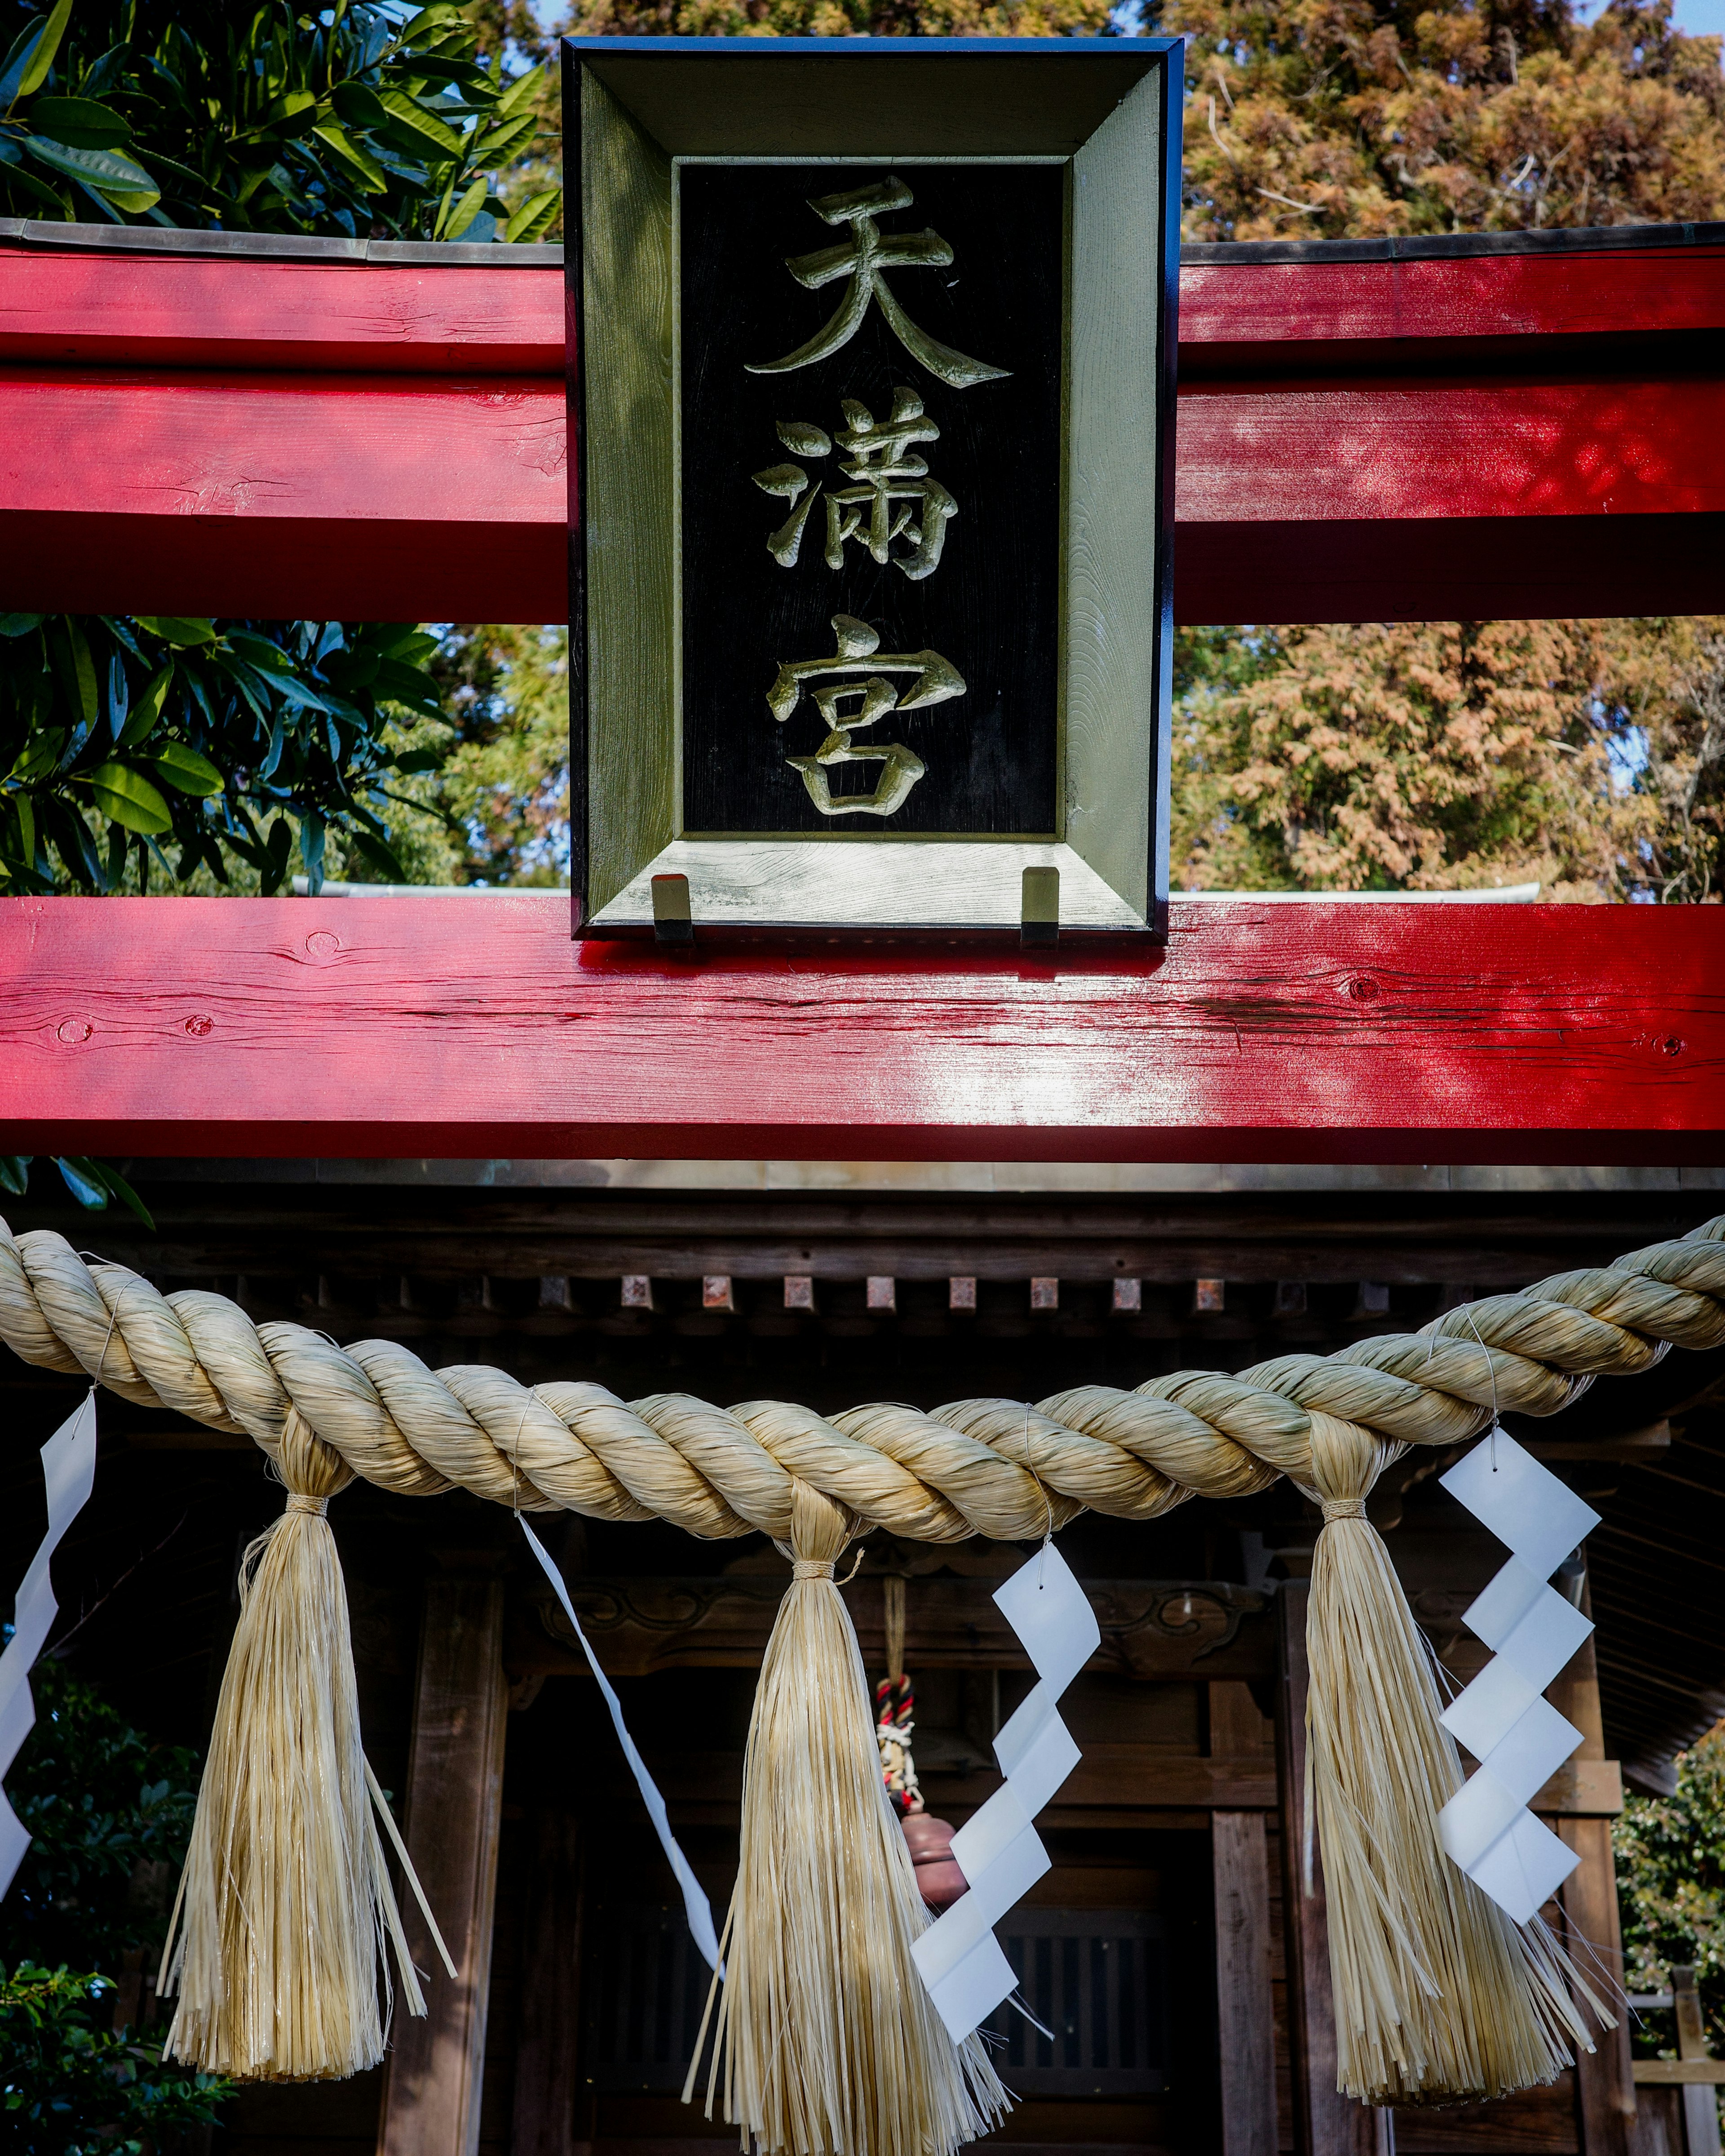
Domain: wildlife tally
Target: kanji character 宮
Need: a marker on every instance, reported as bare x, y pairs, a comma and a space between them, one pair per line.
857, 653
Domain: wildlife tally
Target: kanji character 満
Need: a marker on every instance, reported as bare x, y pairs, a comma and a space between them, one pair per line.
862, 258
891, 495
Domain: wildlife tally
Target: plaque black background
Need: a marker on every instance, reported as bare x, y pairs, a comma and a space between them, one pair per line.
991, 606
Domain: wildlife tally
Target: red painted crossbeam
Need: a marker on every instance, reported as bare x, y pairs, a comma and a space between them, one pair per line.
1497, 436
1239, 313
473, 1028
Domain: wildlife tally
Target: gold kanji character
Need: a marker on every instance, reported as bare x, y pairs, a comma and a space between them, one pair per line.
863, 258
886, 474
891, 488
857, 651
790, 482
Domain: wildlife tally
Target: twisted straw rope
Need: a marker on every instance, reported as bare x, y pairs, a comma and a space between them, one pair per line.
989, 1467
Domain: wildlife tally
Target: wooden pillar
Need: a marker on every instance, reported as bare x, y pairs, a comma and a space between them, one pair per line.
1245, 2010
1700, 2105
1326, 2123
544, 2123
454, 1796
1604, 2079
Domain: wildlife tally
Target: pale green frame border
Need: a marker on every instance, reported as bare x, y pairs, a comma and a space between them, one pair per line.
1116, 493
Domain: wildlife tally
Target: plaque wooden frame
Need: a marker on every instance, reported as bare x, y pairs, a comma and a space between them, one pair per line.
1109, 110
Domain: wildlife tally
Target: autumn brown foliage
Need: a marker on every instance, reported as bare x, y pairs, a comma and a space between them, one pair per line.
842, 18
1585, 755
1332, 119
1450, 756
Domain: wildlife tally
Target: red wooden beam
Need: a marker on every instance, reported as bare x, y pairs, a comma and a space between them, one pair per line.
1240, 312
473, 1028
355, 496
1527, 434
84, 307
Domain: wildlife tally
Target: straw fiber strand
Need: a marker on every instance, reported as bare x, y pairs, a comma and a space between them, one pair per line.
285, 1901
1436, 1997
826, 2043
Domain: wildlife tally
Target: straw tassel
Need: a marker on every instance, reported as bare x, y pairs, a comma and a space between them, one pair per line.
830, 2045
1438, 1996
285, 1901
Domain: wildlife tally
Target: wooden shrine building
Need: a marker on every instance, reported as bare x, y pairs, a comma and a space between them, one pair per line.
1171, 1947
433, 1120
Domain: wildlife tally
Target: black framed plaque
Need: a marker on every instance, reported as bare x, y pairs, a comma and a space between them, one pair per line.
872, 401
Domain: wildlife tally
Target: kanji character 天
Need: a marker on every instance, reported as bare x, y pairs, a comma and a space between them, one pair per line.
863, 258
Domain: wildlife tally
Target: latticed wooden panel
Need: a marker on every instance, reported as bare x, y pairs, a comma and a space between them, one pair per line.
646, 1985
1095, 1977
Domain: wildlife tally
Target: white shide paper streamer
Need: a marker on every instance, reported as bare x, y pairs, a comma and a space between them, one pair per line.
69, 1469
997, 1850
694, 1902
1503, 1717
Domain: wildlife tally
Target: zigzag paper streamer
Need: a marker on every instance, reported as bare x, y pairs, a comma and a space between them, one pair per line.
1503, 1717
69, 1469
998, 1850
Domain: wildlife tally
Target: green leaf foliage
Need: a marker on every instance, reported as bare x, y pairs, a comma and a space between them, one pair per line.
1670, 1889
121, 738
534, 218
108, 1814
71, 2085
186, 769
38, 43
265, 118
171, 748
128, 798
82, 120
93, 1183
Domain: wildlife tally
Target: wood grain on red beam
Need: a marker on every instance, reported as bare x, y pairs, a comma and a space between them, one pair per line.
1391, 448
1297, 316
78, 308
301, 495
470, 1027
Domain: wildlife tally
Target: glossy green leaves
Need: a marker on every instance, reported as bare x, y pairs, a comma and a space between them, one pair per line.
121, 738
265, 118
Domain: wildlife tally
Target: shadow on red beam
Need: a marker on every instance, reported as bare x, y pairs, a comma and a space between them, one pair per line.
1473, 568
440, 498
470, 1027
290, 568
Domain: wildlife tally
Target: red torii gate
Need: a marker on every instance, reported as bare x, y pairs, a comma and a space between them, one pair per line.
1485, 429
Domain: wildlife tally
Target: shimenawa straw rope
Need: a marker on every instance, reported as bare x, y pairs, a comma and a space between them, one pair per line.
1422, 1978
